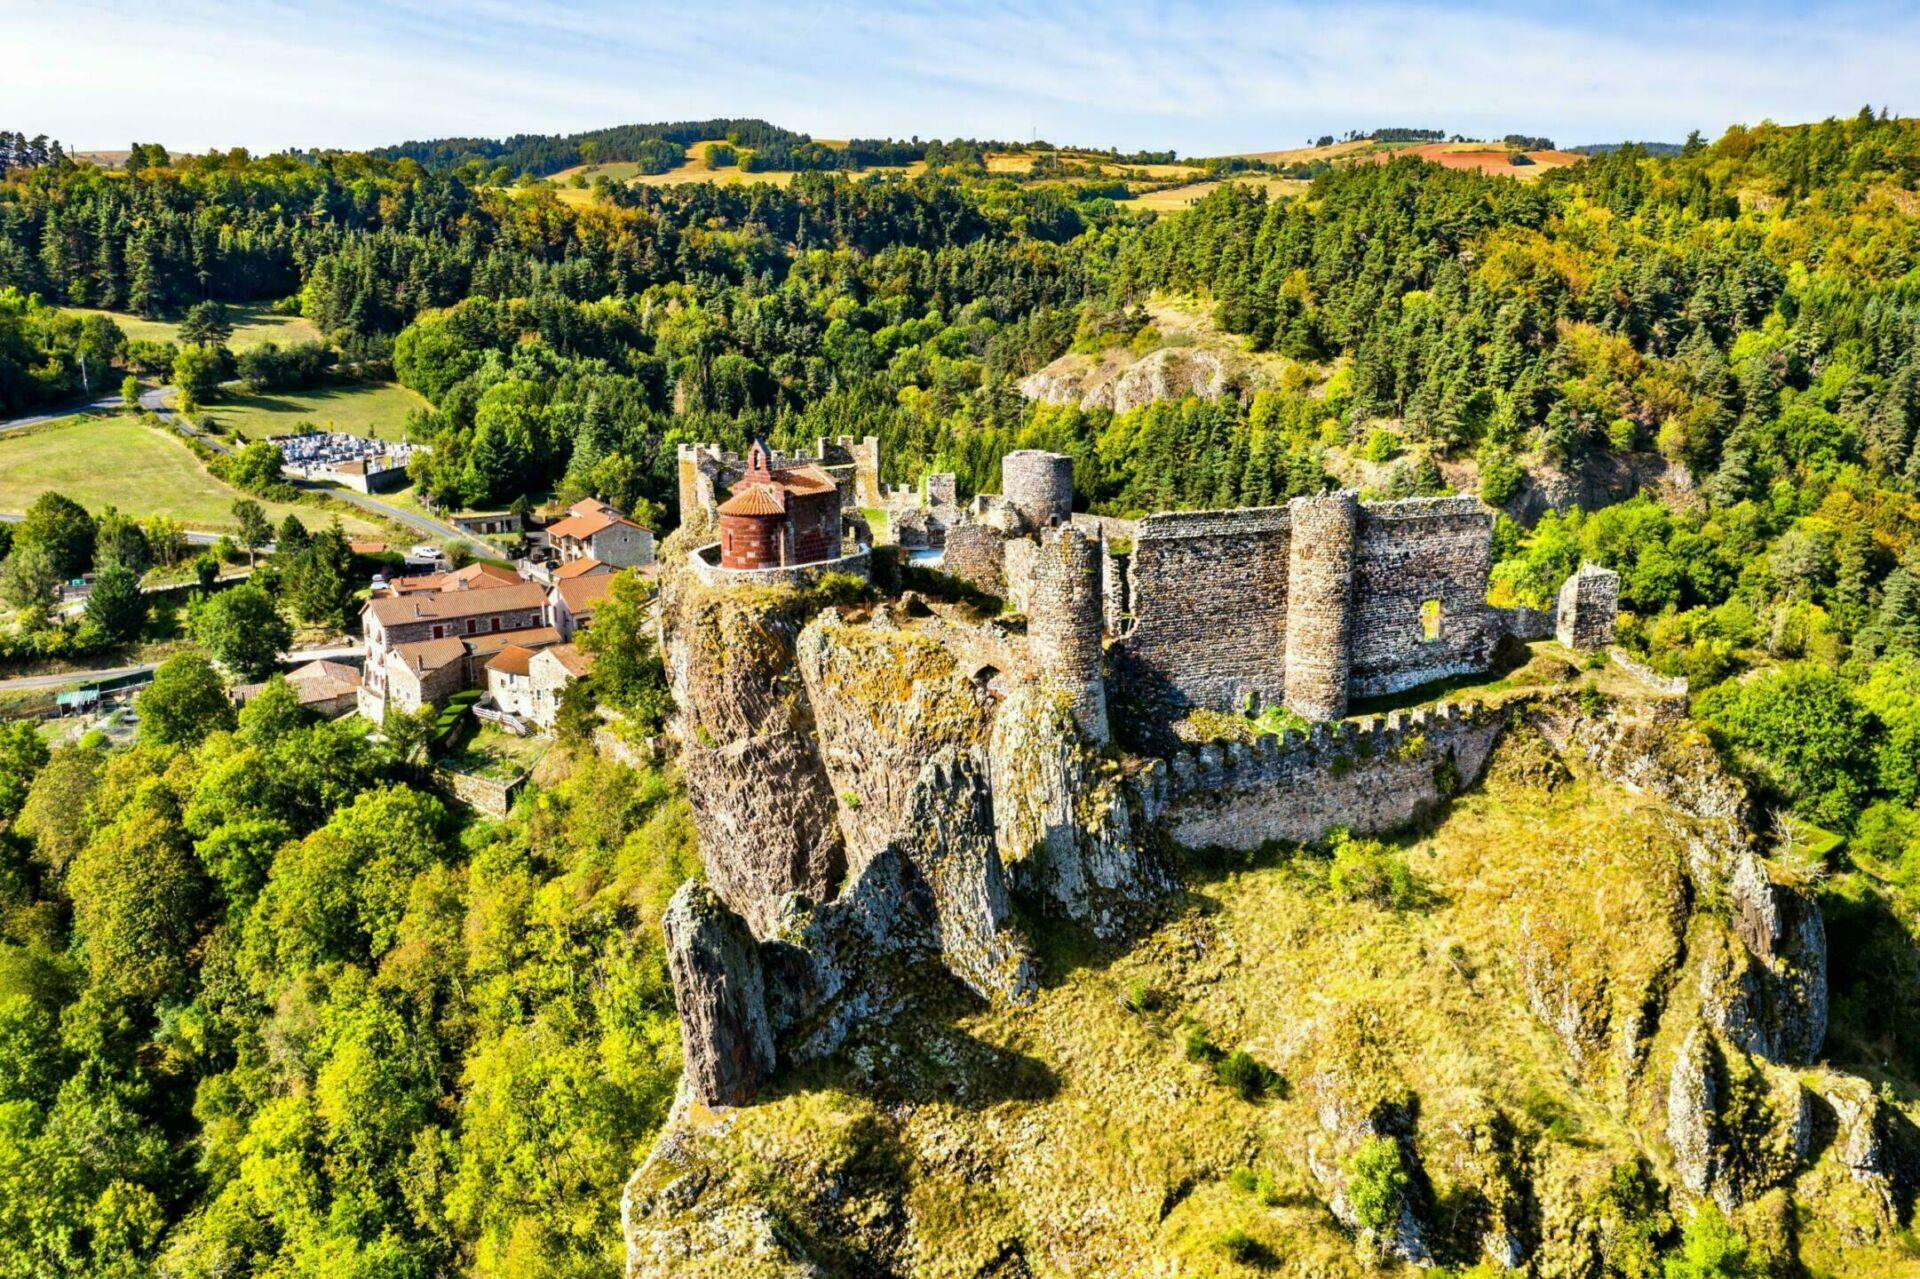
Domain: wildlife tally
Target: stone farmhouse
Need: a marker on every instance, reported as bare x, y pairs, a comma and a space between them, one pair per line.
528, 682
592, 530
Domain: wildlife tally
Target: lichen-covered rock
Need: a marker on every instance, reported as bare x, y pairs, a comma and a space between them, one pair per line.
718, 988
884, 702
1877, 1149
1347, 1123
947, 835
762, 803
1737, 1127
1060, 811
1693, 1102
934, 897
1786, 932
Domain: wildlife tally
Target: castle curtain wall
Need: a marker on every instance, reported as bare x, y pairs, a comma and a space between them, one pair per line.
1209, 594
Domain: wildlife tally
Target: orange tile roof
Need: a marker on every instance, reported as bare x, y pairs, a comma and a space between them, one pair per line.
418, 606
422, 656
582, 527
805, 480
582, 593
511, 660
491, 642
571, 659
754, 499
587, 567
480, 574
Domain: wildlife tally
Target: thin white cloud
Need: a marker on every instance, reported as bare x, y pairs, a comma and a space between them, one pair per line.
1202, 77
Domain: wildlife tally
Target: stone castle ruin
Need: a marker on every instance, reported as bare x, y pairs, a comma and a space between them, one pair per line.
876, 783
886, 776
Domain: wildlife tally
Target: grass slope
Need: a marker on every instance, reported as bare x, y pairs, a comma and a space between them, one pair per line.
251, 326
142, 470
377, 409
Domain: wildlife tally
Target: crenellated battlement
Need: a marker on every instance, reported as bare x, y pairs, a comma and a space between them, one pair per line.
1368, 774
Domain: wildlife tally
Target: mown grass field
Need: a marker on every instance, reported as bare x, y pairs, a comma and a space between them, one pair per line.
376, 409
142, 470
251, 326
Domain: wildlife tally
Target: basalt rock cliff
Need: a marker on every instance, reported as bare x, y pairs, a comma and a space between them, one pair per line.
956, 1003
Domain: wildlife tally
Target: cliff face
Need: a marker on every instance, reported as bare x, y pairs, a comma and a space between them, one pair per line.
762, 801
885, 702
1026, 1033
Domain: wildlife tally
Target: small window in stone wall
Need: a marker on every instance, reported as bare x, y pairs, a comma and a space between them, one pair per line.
1430, 620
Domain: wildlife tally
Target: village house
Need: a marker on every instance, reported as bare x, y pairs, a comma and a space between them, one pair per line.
477, 576
418, 644
410, 676
571, 602
329, 689
528, 683
487, 523
593, 530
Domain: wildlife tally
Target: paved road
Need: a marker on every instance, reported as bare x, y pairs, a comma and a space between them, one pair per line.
114, 672
196, 538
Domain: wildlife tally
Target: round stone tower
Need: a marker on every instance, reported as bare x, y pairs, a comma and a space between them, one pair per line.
1320, 561
1038, 485
1063, 625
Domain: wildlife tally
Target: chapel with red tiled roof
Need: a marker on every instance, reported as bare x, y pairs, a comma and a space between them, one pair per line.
779, 516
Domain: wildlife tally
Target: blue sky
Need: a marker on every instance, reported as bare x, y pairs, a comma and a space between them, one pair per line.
1202, 78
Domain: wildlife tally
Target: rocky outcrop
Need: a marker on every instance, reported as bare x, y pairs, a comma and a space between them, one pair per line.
1348, 1124
948, 836
1170, 373
934, 897
762, 802
726, 1041
1784, 930
1737, 1127
1777, 1007
885, 701
1876, 1145
1063, 826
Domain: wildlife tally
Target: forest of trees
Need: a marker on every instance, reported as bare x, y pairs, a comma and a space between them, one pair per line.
271, 1010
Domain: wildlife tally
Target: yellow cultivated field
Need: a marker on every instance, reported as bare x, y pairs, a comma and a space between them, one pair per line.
1176, 198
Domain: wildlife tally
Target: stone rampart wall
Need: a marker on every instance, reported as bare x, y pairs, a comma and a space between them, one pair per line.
1424, 554
1208, 595
1369, 775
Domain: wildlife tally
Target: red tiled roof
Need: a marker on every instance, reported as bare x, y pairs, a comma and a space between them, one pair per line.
511, 660
397, 610
587, 567
491, 642
582, 527
422, 656
582, 593
571, 659
755, 500
804, 480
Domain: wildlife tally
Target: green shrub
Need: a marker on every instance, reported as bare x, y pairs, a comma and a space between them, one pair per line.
1376, 1183
1367, 870
1382, 446
1140, 997
1242, 1072
1244, 1248
1199, 1047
